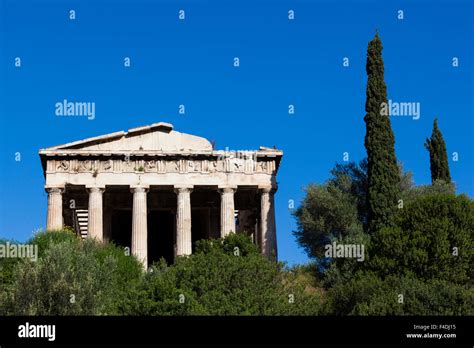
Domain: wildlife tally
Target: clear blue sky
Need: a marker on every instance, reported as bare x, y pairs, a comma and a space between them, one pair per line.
190, 62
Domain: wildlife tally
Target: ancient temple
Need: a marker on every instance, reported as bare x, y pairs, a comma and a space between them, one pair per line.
157, 191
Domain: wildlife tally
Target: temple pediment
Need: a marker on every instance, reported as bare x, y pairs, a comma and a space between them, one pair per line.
156, 137
154, 149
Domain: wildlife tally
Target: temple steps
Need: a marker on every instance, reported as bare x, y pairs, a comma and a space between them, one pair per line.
82, 218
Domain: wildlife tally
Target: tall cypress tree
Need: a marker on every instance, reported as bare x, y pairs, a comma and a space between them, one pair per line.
438, 156
383, 173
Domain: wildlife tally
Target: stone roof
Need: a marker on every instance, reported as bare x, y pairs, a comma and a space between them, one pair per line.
155, 137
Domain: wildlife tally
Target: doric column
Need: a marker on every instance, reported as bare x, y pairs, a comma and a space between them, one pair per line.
268, 242
95, 221
54, 219
139, 225
227, 210
183, 221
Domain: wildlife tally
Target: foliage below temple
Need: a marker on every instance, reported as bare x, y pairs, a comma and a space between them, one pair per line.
82, 277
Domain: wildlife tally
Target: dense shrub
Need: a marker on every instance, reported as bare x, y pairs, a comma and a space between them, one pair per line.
438, 187
45, 239
7, 270
343, 269
367, 294
433, 239
72, 277
223, 277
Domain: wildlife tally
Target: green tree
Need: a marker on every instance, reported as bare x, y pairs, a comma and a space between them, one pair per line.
337, 208
383, 173
334, 212
326, 213
436, 146
351, 178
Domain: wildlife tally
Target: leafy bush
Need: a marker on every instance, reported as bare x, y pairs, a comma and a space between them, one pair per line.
223, 277
343, 269
7, 267
72, 277
367, 294
7, 270
429, 232
45, 239
438, 187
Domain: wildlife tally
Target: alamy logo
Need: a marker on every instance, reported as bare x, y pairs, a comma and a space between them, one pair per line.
335, 250
67, 108
400, 109
37, 331
239, 154
11, 250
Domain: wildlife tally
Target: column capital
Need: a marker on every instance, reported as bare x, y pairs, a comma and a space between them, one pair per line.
227, 189
183, 189
267, 188
137, 189
54, 189
92, 189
